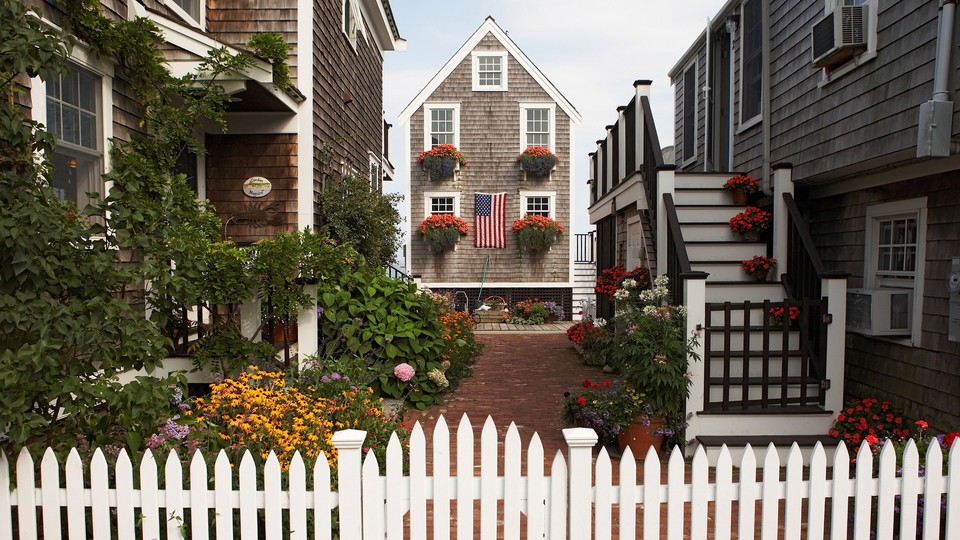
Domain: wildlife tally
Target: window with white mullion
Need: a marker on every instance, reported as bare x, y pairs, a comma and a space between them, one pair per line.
538, 127
489, 70
538, 206
442, 205
441, 127
897, 250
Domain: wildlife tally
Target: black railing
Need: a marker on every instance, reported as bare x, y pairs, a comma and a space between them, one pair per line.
586, 251
630, 142
804, 267
396, 273
191, 323
652, 160
678, 263
774, 364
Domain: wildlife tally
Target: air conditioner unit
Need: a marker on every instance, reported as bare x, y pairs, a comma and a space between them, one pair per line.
839, 35
880, 312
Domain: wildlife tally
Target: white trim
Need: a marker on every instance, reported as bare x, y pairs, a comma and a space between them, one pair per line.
304, 117
491, 27
906, 207
475, 62
380, 28
552, 195
428, 197
202, 176
199, 24
247, 123
552, 107
683, 116
427, 107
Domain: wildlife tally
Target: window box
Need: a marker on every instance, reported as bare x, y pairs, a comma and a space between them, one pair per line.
537, 162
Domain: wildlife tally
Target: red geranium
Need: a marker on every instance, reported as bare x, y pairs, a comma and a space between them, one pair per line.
610, 279
751, 219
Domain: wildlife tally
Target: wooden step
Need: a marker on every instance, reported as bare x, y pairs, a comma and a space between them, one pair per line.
706, 213
714, 232
702, 180
701, 251
754, 291
702, 196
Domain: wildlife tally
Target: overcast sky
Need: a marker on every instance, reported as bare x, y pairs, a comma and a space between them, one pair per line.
592, 51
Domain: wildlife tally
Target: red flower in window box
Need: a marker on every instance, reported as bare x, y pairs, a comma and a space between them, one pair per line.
537, 233
537, 161
442, 231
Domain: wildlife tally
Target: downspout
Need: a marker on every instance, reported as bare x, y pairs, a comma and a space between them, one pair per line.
935, 126
765, 100
706, 104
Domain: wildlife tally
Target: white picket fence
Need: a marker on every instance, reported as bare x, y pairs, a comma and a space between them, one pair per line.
577, 500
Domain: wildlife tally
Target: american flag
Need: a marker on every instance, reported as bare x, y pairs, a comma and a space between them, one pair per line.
489, 220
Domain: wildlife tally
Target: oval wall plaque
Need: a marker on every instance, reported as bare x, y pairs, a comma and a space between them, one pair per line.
257, 186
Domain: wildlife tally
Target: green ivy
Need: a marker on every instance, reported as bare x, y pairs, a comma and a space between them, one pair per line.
272, 47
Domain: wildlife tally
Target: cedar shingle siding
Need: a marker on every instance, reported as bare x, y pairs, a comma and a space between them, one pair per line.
490, 142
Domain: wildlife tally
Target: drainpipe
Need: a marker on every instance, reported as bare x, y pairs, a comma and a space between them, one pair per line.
935, 126
765, 100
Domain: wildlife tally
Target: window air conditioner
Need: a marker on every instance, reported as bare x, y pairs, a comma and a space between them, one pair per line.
879, 312
839, 35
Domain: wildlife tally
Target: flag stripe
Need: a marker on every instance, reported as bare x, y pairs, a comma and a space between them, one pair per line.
489, 220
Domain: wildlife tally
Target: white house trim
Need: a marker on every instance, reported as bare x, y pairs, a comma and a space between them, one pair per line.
552, 195
199, 24
552, 107
475, 62
426, 122
428, 196
489, 26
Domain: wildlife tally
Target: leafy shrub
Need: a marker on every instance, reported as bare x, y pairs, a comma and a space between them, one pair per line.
593, 340
460, 345
382, 322
605, 407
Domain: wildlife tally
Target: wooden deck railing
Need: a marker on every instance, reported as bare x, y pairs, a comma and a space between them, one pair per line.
191, 323
586, 247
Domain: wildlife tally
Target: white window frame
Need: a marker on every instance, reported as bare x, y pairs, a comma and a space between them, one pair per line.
552, 195
199, 22
428, 197
83, 57
374, 172
359, 29
696, 99
553, 124
475, 56
885, 211
757, 118
427, 108
831, 74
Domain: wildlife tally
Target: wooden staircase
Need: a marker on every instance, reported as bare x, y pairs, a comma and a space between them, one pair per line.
758, 381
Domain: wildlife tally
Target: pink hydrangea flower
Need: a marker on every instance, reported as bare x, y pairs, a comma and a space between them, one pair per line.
404, 371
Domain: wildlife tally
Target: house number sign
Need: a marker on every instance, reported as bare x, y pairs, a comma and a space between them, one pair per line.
257, 186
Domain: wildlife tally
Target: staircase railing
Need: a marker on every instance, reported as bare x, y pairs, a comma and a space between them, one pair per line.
678, 262
396, 273
652, 160
191, 323
586, 247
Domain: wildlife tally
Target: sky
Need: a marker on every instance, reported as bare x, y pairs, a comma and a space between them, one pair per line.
592, 51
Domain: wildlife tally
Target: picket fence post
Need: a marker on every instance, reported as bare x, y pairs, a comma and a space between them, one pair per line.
580, 442
348, 443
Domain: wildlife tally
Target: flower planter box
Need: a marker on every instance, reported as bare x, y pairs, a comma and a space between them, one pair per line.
489, 316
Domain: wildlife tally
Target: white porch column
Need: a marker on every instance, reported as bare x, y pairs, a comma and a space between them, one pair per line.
580, 443
348, 443
642, 89
835, 289
782, 183
665, 184
695, 298
250, 318
307, 326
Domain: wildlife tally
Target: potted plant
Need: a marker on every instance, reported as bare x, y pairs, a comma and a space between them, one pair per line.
537, 233
741, 186
442, 231
751, 222
652, 350
492, 310
441, 160
606, 407
777, 315
759, 266
537, 161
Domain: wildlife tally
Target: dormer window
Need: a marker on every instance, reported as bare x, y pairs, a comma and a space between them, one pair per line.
489, 71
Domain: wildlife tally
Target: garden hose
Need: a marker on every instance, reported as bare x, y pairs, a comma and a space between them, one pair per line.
483, 278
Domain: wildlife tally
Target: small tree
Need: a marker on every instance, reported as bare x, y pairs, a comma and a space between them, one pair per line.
354, 214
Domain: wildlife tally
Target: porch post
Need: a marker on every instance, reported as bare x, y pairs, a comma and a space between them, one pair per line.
348, 443
580, 443
307, 326
665, 184
782, 183
695, 298
250, 318
835, 289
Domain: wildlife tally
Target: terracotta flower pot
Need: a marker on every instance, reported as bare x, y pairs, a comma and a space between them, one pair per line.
760, 275
639, 438
751, 236
739, 196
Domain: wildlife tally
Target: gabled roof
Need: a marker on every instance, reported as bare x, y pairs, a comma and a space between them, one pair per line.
489, 26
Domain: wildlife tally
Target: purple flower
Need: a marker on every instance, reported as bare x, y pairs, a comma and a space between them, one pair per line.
335, 376
324, 379
319, 311
184, 406
175, 430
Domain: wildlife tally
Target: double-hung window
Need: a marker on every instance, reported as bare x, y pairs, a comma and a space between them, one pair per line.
489, 71
537, 203
74, 114
895, 241
441, 124
751, 59
537, 125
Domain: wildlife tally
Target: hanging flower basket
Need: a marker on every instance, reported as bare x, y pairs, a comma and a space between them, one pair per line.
741, 187
443, 231
537, 233
441, 161
751, 222
537, 161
